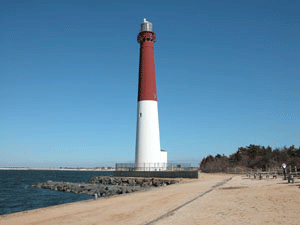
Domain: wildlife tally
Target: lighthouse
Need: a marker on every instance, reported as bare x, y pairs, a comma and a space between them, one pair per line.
148, 155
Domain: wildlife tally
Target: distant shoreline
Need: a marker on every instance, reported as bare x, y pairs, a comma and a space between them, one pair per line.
61, 169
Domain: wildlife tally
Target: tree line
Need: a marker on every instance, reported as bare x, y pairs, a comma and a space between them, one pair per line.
253, 157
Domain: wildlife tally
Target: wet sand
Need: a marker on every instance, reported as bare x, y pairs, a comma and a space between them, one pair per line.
238, 201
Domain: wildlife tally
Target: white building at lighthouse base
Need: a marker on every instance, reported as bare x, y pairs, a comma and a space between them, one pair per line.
149, 156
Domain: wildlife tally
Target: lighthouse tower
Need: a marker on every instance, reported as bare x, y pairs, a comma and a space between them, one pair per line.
148, 155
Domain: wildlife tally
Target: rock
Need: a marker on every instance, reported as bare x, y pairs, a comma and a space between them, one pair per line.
131, 182
106, 186
139, 181
173, 181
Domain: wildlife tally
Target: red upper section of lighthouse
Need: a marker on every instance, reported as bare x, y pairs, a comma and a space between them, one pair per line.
147, 82
146, 36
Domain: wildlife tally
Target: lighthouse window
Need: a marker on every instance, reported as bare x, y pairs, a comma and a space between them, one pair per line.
140, 114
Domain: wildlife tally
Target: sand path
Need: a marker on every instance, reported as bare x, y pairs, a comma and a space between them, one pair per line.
239, 201
243, 201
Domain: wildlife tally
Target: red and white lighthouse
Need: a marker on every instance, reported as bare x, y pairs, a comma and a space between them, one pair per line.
148, 153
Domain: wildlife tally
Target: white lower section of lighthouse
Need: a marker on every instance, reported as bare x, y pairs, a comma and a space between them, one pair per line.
148, 156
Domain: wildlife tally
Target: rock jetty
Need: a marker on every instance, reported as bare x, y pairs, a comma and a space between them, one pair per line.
106, 186
88, 189
132, 181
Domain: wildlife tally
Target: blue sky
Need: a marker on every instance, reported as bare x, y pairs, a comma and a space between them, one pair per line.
228, 75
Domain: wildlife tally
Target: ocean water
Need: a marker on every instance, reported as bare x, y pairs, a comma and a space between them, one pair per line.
16, 193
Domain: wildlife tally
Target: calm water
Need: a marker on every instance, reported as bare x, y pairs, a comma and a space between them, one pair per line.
16, 193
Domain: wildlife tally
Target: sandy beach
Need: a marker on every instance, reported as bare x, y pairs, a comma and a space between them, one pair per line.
212, 199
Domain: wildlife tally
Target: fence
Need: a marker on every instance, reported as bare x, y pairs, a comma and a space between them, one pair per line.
239, 170
154, 167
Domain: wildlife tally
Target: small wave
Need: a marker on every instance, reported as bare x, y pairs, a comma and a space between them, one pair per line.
16, 205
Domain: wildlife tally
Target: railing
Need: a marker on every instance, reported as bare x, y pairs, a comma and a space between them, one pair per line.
154, 167
238, 170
